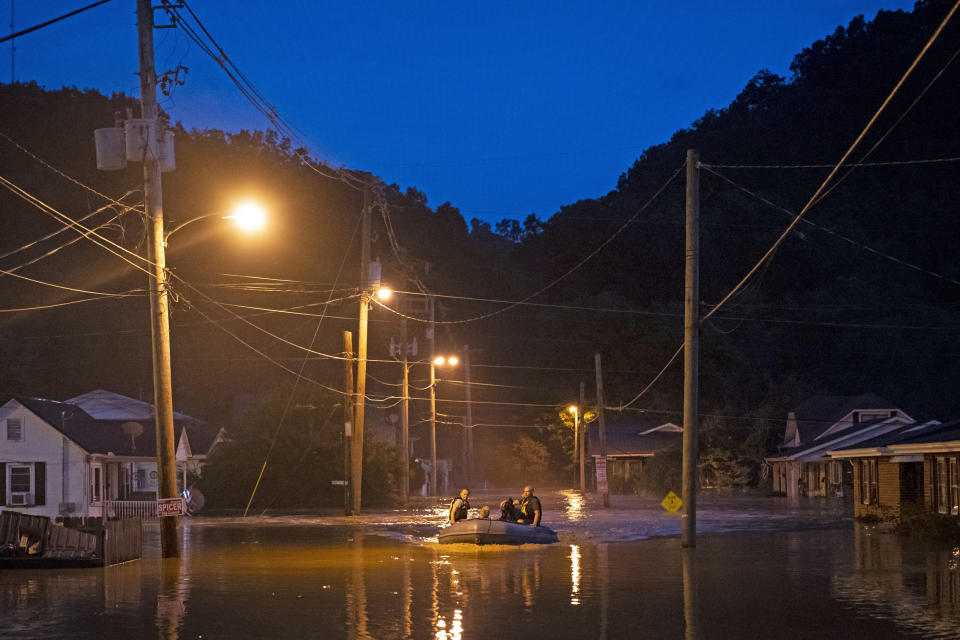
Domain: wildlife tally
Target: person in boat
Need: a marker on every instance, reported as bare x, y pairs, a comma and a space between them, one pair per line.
508, 510
484, 513
530, 509
460, 506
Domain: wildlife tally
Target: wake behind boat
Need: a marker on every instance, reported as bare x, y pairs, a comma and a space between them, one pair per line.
487, 531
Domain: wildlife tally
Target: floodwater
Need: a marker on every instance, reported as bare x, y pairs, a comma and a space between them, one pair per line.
762, 567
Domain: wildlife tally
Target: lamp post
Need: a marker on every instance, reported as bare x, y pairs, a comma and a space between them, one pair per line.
248, 216
439, 361
575, 410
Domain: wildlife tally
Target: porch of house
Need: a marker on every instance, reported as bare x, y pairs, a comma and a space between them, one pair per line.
126, 488
819, 479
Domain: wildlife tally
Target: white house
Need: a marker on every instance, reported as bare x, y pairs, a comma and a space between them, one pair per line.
823, 423
93, 455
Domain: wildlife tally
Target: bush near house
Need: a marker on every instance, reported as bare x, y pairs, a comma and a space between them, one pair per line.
931, 527
306, 456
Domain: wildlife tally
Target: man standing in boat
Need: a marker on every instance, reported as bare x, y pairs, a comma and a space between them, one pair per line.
530, 509
460, 506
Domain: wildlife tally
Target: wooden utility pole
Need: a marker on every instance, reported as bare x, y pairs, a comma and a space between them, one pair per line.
159, 286
584, 427
691, 354
347, 420
433, 428
356, 481
433, 398
602, 486
468, 425
405, 422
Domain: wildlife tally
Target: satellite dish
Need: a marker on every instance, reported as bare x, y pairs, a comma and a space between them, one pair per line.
134, 430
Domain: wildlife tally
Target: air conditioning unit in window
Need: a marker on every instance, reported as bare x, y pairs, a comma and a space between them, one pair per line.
21, 499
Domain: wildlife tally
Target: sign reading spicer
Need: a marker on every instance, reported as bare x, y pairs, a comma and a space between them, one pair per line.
171, 507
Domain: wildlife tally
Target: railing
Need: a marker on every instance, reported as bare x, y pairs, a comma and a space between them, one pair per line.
145, 509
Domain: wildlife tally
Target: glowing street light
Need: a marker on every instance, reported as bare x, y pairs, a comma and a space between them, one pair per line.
249, 216
384, 293
438, 361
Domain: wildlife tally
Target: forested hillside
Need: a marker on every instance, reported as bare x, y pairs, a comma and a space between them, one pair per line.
863, 296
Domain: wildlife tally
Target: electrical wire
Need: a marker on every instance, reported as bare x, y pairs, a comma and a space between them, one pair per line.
835, 234
839, 164
70, 178
57, 304
557, 280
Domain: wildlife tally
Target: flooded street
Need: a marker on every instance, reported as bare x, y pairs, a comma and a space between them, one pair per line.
761, 566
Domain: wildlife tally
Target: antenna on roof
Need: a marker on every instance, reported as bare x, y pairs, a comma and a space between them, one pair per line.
134, 430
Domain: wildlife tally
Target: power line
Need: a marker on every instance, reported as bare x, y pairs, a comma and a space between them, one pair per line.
49, 22
583, 261
835, 234
892, 163
839, 164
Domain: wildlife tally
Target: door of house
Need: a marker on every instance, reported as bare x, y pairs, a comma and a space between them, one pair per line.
911, 486
96, 482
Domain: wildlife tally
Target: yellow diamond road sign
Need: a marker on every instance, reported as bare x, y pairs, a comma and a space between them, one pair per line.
672, 502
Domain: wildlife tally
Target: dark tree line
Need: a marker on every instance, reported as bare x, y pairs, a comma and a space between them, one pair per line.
830, 313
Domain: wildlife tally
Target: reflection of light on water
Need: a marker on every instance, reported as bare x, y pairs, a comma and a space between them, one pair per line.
954, 562
574, 505
456, 629
574, 574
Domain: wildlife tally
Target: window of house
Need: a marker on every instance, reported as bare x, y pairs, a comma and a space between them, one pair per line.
95, 484
941, 484
836, 473
868, 481
19, 483
954, 486
15, 429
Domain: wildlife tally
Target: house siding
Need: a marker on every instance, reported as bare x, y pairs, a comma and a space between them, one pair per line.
888, 505
63, 461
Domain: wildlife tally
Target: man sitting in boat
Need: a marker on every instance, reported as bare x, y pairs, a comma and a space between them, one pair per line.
484, 513
460, 506
530, 509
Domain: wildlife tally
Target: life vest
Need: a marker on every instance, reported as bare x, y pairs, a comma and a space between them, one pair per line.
524, 513
462, 510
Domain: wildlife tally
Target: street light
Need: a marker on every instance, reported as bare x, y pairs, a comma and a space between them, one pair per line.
384, 293
248, 216
575, 410
438, 361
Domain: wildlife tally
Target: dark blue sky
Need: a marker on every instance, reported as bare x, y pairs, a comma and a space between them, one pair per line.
504, 109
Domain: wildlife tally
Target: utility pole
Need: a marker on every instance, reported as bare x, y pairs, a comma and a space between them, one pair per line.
405, 423
468, 425
583, 438
347, 421
433, 428
356, 451
691, 353
602, 486
433, 398
159, 288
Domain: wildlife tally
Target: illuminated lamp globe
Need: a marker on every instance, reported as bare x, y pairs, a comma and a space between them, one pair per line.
572, 409
249, 216
453, 361
384, 293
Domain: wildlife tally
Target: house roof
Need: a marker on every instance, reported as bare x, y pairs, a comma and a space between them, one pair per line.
818, 413
908, 439
106, 405
852, 437
109, 435
633, 439
906, 432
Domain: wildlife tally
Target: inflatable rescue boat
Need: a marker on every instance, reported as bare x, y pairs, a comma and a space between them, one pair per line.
486, 531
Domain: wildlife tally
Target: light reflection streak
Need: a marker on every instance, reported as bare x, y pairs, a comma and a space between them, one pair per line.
574, 505
574, 574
